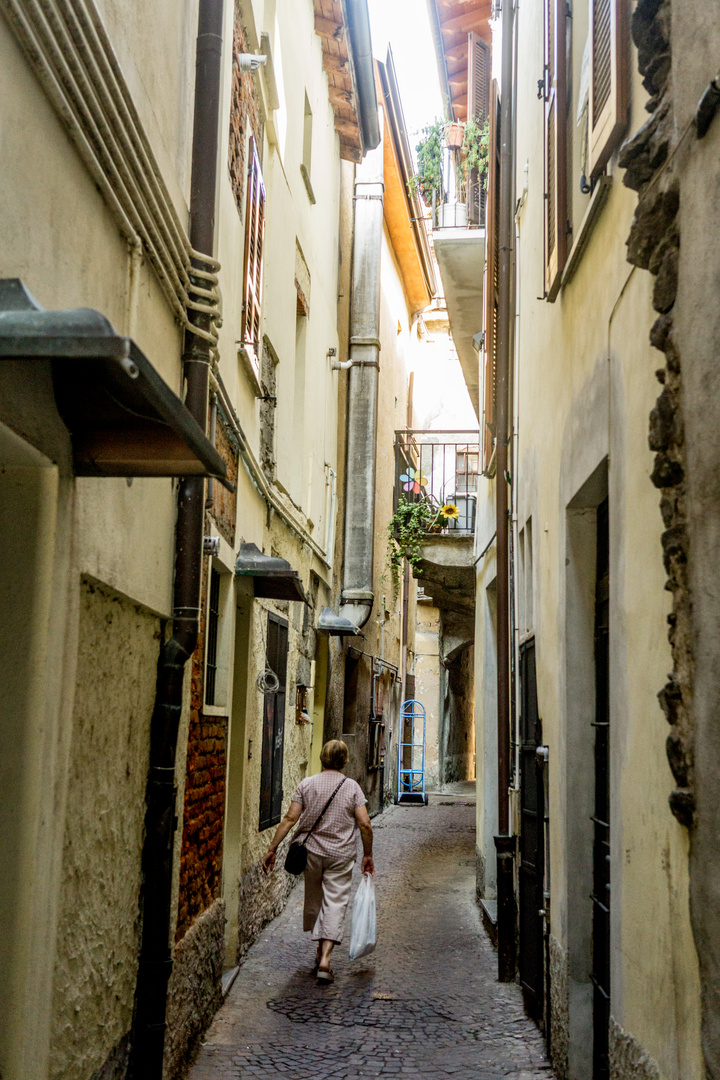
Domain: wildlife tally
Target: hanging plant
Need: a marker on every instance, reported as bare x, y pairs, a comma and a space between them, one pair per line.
407, 529
476, 149
429, 177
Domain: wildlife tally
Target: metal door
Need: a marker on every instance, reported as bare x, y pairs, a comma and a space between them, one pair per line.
271, 792
532, 847
600, 974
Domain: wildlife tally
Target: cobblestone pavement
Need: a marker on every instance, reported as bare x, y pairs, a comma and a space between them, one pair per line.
426, 1004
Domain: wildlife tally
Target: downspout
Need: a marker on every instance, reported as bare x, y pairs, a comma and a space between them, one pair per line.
362, 395
361, 42
504, 841
160, 820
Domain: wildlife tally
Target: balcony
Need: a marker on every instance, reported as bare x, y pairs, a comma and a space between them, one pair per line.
460, 253
440, 469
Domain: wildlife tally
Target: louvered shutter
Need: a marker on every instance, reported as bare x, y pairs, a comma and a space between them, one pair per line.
609, 97
492, 252
479, 69
555, 147
254, 240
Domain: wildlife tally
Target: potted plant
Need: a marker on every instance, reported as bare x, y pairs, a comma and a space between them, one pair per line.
453, 134
428, 180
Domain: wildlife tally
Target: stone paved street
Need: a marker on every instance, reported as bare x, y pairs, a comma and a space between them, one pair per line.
425, 1004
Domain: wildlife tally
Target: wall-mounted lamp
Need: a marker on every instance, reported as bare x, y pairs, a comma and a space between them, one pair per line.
249, 61
479, 341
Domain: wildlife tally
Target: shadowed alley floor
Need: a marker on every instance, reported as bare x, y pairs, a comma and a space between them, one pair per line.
425, 1004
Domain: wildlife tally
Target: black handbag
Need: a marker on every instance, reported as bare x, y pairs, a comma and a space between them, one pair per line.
296, 858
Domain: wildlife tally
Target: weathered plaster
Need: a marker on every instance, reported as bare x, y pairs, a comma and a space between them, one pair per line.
98, 938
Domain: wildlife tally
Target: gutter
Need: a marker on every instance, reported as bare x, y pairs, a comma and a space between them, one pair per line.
504, 841
358, 23
156, 961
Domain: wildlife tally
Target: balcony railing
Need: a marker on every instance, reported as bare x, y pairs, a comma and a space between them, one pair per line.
440, 468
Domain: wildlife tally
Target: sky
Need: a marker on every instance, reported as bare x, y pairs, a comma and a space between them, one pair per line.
405, 25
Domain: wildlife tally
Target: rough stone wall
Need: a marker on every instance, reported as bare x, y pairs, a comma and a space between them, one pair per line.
559, 1008
654, 245
268, 404
194, 992
224, 502
628, 1060
243, 114
98, 933
261, 898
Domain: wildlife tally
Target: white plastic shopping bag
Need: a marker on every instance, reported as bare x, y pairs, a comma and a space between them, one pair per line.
363, 932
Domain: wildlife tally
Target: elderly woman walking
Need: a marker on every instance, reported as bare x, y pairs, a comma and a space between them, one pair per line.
331, 848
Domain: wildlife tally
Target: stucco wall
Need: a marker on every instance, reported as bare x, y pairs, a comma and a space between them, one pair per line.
98, 933
586, 386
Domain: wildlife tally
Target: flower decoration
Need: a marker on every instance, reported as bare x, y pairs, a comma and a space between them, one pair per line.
449, 510
413, 480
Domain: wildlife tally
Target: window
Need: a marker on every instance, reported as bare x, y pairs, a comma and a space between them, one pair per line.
306, 162
254, 241
555, 146
213, 621
479, 67
492, 225
273, 741
466, 469
609, 98
218, 628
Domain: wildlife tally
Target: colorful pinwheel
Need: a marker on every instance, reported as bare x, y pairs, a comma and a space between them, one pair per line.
413, 480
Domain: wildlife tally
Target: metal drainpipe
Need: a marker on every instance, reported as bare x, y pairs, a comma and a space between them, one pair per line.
504, 841
160, 820
362, 395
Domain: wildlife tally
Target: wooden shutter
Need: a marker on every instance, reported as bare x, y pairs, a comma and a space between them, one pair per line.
609, 98
273, 744
254, 240
479, 69
492, 252
555, 147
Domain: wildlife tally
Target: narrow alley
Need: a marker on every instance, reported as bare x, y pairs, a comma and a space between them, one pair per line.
425, 1004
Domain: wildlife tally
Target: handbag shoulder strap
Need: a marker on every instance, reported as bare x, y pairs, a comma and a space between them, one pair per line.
322, 812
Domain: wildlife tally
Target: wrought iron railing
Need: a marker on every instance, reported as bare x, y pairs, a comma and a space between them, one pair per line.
440, 468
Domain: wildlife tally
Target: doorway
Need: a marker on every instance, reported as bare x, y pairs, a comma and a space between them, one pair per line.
273, 743
532, 834
600, 973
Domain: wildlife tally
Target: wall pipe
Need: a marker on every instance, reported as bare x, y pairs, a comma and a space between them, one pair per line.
156, 953
504, 841
362, 393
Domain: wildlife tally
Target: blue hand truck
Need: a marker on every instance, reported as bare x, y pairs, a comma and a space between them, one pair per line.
411, 754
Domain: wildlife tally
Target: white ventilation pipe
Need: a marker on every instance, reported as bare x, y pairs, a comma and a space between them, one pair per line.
357, 593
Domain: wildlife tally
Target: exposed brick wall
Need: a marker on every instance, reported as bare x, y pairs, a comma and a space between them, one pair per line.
243, 114
224, 502
654, 245
204, 808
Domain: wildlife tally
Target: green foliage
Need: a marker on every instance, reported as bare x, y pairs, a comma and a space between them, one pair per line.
406, 532
429, 177
476, 149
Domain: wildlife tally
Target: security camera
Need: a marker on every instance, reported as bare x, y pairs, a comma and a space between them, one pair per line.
249, 61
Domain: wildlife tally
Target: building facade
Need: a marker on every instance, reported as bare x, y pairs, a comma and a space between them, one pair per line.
597, 921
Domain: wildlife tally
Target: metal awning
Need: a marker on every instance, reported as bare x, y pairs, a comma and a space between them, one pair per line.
335, 625
123, 418
272, 577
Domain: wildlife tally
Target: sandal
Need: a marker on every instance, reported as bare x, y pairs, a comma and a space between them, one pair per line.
325, 976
